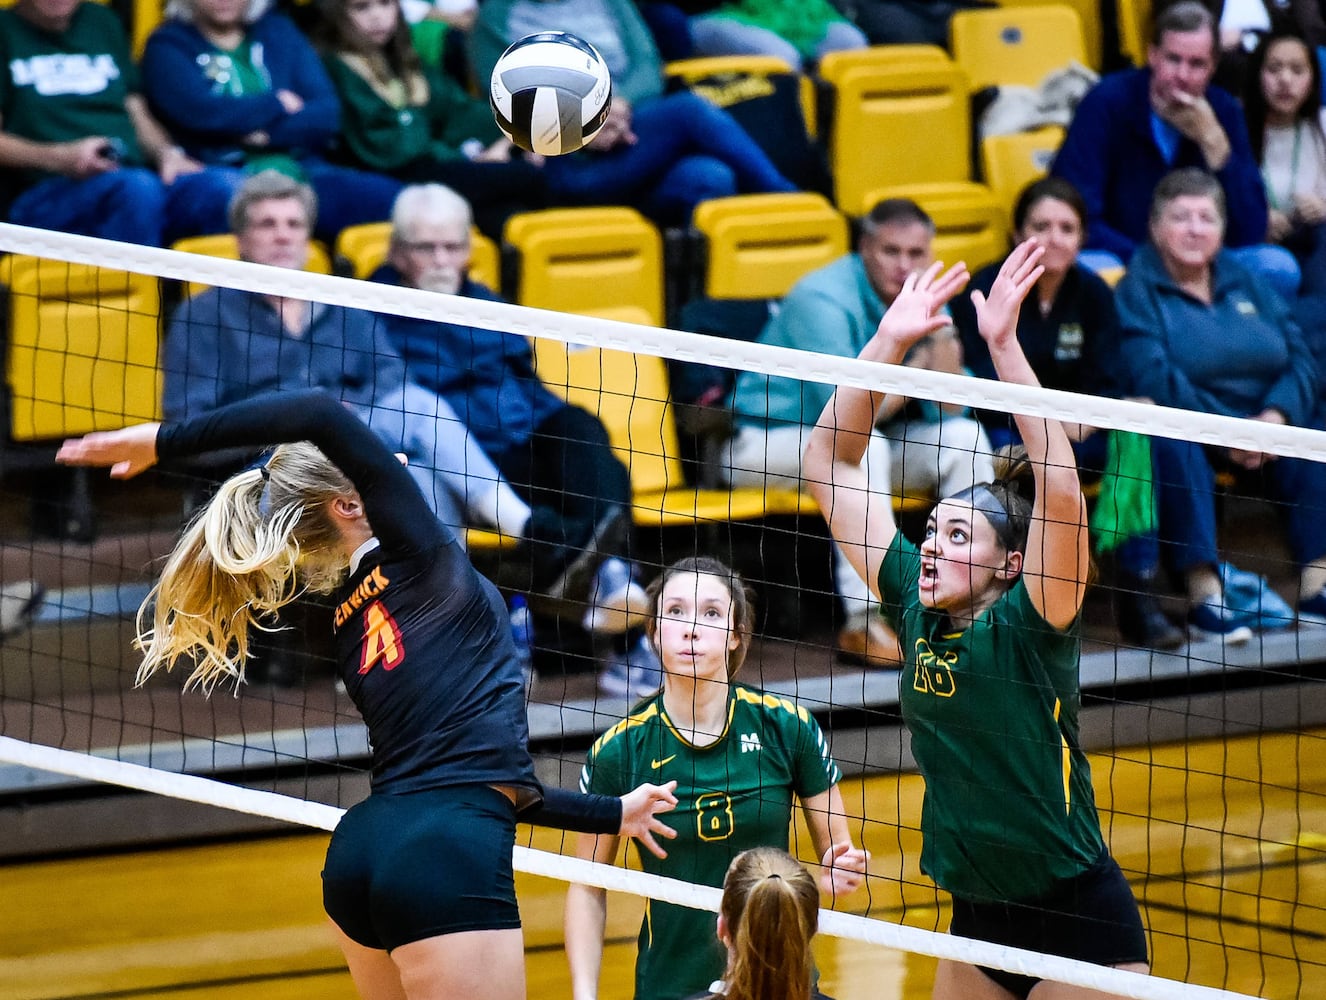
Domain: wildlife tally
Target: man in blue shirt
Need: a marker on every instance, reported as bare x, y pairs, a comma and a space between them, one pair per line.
919, 449
556, 456
1134, 127
224, 345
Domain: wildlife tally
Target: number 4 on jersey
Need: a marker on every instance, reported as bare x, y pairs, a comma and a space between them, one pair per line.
382, 639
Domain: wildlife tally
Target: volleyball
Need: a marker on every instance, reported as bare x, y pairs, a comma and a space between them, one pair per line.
550, 92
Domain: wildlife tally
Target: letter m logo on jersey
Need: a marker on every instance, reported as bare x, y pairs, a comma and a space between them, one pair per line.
750, 741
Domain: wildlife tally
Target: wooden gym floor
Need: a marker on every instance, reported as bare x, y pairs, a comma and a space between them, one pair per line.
1224, 841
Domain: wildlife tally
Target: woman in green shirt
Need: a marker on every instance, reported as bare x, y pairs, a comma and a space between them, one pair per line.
987, 609
403, 118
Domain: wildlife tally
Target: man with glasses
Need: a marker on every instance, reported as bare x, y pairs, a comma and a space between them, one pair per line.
556, 456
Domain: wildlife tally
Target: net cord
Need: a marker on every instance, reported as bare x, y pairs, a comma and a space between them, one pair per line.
1161, 421
544, 863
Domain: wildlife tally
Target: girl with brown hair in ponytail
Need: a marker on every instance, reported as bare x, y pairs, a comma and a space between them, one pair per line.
770, 911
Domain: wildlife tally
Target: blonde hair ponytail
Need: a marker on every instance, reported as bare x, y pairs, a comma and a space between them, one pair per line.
262, 540
771, 908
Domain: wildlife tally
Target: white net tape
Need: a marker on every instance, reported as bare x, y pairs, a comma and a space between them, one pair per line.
556, 866
1228, 432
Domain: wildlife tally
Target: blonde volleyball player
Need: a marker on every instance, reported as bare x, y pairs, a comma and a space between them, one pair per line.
418, 879
987, 609
738, 756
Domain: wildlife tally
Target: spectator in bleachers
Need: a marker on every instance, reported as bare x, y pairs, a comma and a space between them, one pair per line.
81, 150
1136, 126
660, 153
1202, 333
796, 31
241, 87
920, 448
402, 118
1069, 331
557, 456
225, 345
1283, 108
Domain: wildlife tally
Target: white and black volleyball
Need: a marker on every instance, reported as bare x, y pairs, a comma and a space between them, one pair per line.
550, 92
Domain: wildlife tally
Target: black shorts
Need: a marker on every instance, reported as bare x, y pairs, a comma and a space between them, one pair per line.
1091, 917
401, 868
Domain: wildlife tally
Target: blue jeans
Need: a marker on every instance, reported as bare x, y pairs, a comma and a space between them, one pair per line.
446, 462
716, 35
687, 151
1185, 495
348, 197
130, 205
1275, 265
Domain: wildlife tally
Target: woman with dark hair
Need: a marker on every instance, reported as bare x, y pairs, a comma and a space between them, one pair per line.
418, 878
411, 121
988, 609
239, 86
1069, 332
770, 912
1282, 104
739, 756
1201, 333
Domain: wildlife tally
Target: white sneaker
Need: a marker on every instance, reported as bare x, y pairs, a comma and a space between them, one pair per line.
616, 602
634, 674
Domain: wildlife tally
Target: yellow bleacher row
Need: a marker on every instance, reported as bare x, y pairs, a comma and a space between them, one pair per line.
84, 341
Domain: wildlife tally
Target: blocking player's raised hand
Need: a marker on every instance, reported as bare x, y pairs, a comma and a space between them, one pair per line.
128, 451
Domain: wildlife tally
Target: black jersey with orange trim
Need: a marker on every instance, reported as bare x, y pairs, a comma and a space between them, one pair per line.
423, 640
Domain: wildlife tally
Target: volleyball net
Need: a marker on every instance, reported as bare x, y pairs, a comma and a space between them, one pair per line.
1207, 759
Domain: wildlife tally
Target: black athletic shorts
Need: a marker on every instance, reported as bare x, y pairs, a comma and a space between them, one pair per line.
1092, 917
401, 868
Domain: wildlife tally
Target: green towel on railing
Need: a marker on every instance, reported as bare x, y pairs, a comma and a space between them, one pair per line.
1126, 506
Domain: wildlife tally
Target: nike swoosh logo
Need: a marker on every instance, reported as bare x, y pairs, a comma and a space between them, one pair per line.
656, 764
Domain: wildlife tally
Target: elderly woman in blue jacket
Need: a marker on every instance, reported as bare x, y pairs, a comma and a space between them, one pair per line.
1200, 333
239, 86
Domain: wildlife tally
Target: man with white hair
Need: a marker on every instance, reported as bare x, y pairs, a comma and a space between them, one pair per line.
225, 344
557, 456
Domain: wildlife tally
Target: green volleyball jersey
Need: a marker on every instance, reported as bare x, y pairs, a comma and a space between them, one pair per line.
67, 86
731, 795
992, 713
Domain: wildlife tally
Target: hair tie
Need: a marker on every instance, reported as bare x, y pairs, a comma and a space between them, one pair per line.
266, 473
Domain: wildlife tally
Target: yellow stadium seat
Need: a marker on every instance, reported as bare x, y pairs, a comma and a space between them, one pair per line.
759, 245
1010, 162
224, 245
896, 124
1015, 45
604, 262
629, 393
1134, 29
970, 225
84, 344
688, 71
364, 248
1092, 29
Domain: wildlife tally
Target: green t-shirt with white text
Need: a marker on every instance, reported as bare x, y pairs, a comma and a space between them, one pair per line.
60, 87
